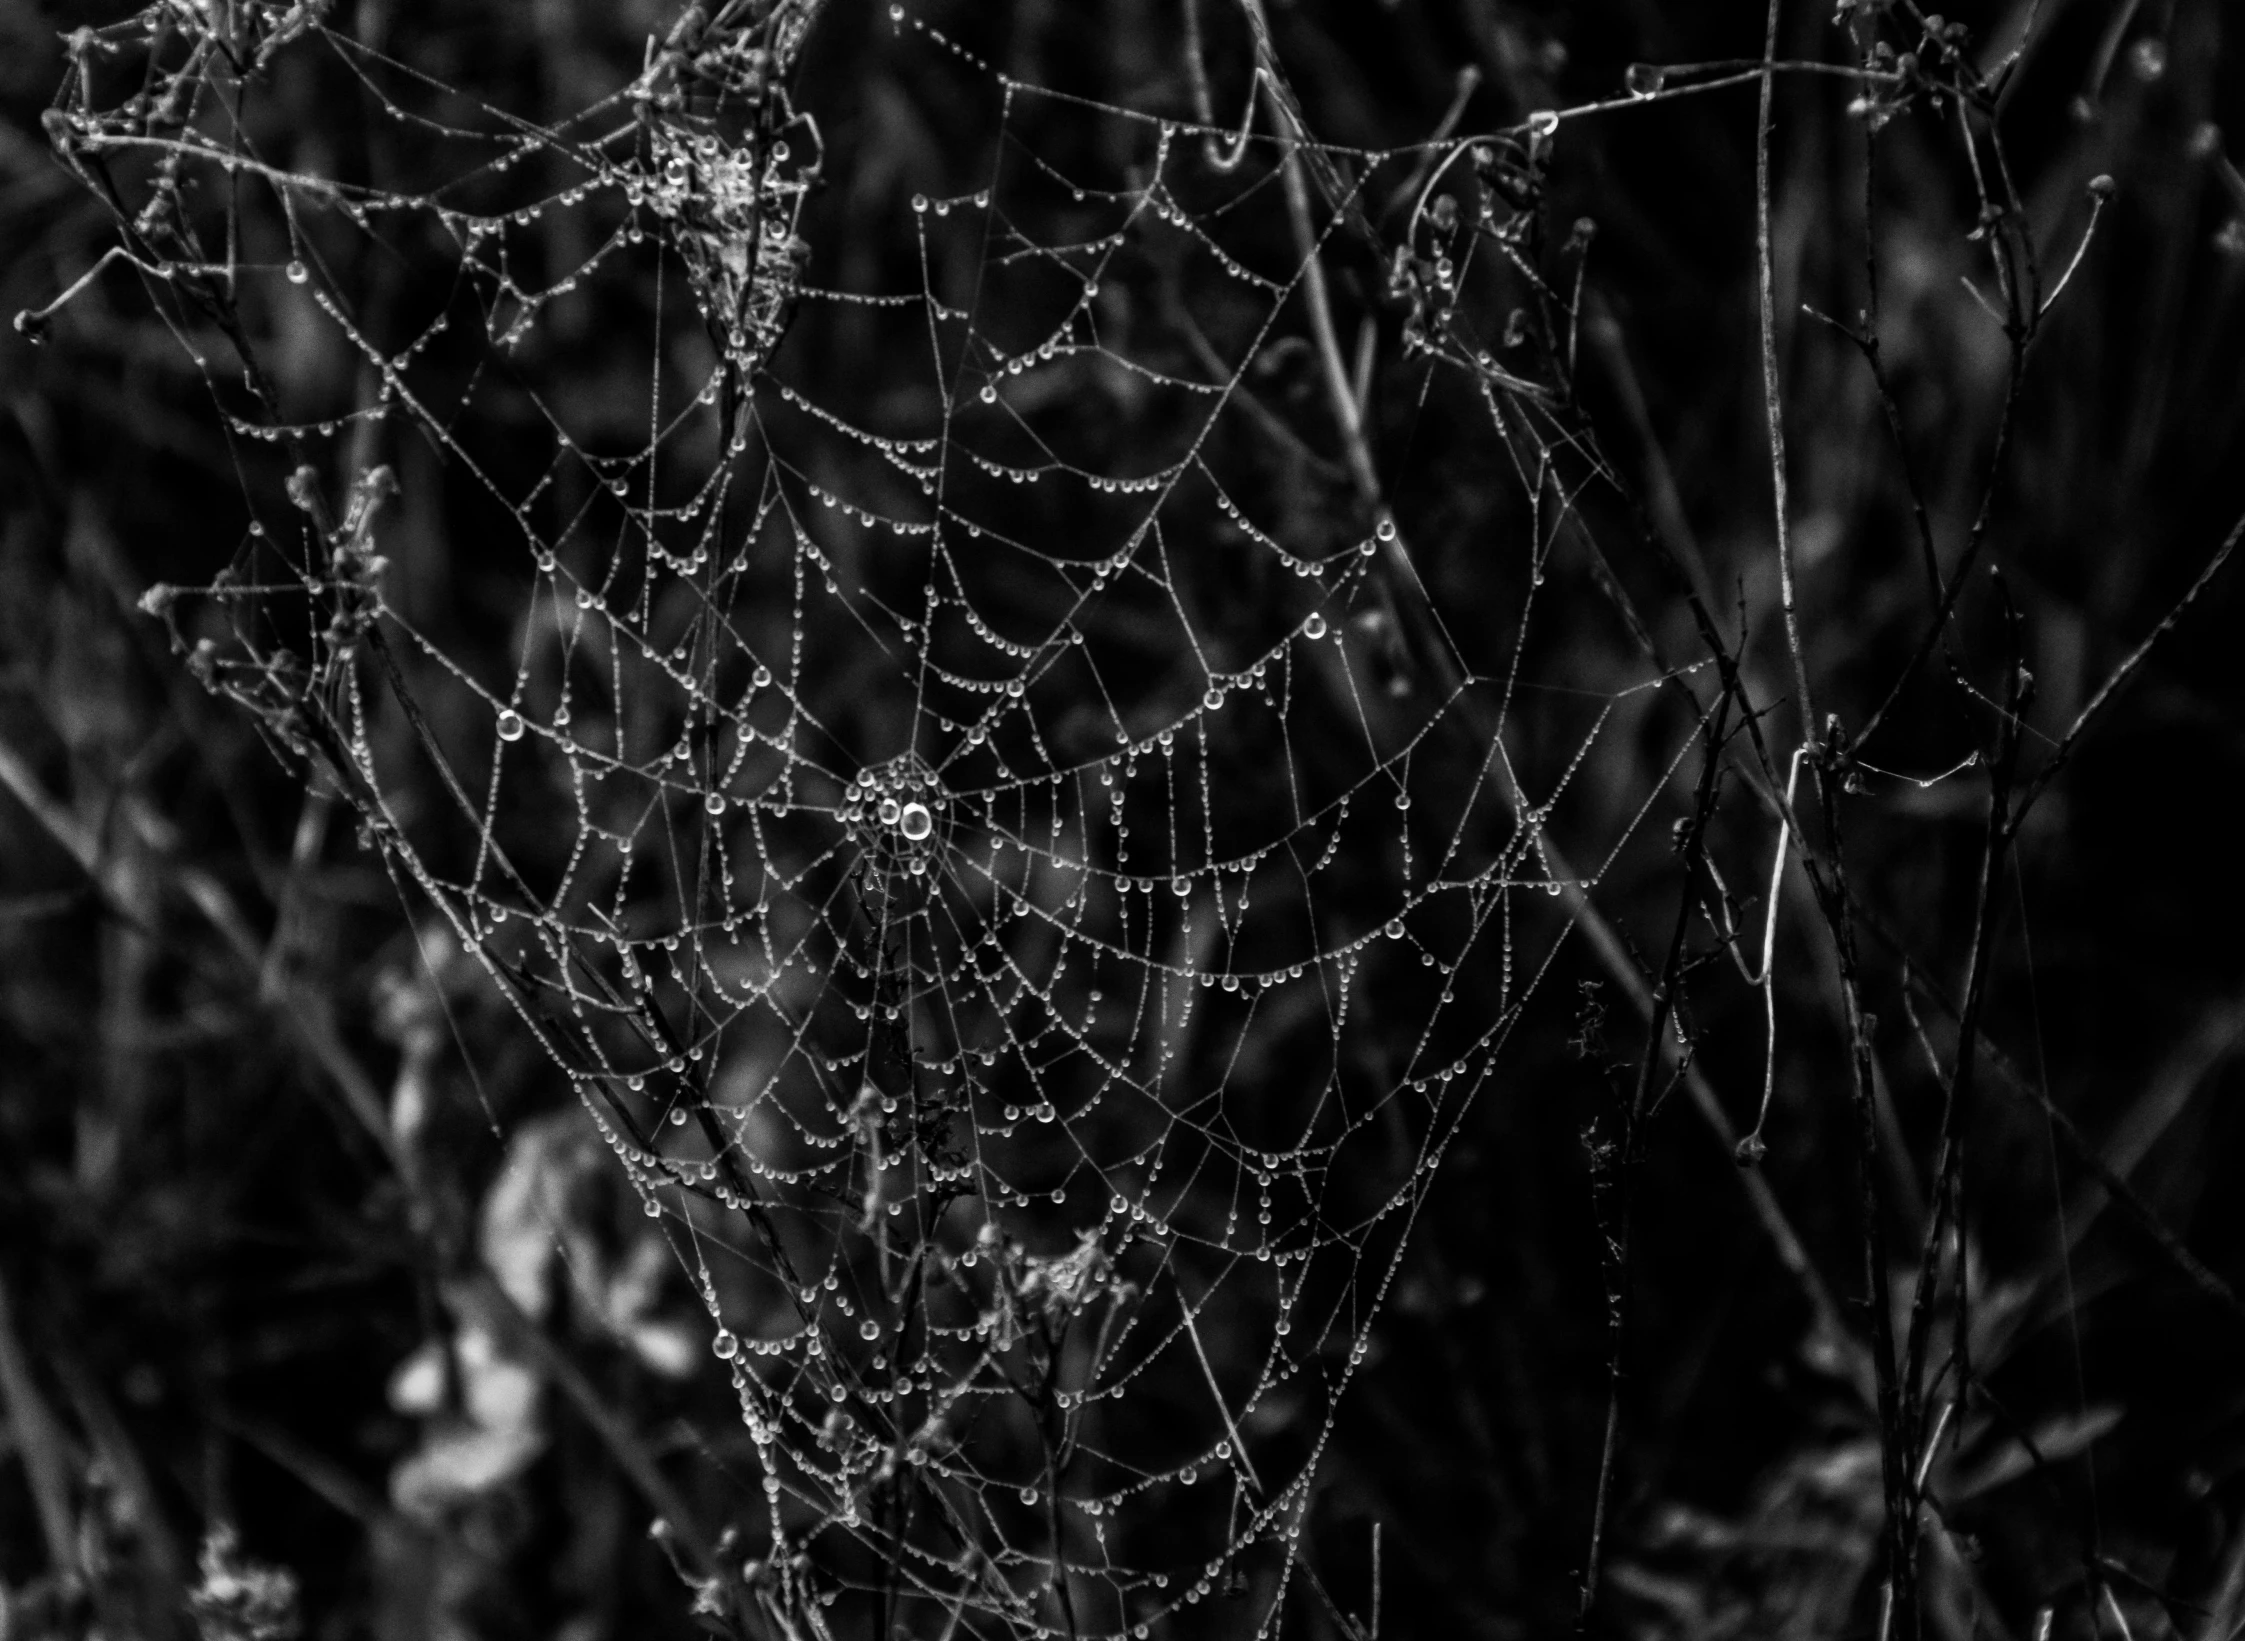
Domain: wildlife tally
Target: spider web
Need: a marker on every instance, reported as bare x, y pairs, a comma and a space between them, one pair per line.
1027, 919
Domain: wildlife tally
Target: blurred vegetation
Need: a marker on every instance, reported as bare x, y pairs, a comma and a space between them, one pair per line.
267, 1141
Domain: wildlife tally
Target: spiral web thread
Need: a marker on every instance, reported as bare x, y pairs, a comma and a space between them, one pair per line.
991, 904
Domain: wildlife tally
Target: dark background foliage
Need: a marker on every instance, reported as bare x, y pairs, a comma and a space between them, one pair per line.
212, 1004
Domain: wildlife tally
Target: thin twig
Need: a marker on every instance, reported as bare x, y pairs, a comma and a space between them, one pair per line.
40, 1441
1836, 903
1665, 1002
2109, 691
1948, 1172
1772, 398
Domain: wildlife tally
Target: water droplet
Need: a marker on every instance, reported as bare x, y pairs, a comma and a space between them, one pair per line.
916, 823
869, 1330
510, 726
714, 803
890, 811
1386, 530
298, 273
1314, 627
989, 395
1645, 79
725, 1345
1543, 122
920, 202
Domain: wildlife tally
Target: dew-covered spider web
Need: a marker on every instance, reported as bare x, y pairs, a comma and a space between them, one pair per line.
1019, 868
